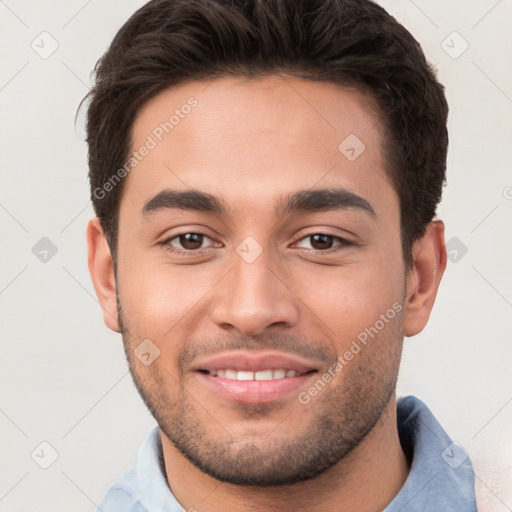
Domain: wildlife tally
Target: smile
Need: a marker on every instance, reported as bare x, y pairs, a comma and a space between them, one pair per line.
259, 375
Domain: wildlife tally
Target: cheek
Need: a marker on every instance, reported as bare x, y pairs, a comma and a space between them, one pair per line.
348, 300
159, 300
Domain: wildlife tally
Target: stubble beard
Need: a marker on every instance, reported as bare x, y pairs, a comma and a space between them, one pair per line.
343, 418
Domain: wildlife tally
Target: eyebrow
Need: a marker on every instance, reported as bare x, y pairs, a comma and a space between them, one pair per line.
302, 201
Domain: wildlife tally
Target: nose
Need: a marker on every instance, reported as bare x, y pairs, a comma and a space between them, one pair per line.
255, 296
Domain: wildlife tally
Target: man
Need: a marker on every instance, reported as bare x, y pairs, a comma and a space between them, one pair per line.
265, 176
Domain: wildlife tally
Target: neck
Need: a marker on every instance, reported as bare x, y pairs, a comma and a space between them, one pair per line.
366, 480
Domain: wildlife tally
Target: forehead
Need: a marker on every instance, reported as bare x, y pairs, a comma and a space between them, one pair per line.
256, 139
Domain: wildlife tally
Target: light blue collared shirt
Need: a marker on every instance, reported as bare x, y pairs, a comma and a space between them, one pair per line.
441, 478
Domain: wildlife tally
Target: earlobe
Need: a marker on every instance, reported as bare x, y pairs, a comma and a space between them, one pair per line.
101, 269
424, 277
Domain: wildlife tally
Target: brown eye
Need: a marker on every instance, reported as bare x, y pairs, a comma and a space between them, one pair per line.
320, 241
185, 242
323, 242
191, 241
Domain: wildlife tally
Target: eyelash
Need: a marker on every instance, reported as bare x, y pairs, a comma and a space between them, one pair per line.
166, 243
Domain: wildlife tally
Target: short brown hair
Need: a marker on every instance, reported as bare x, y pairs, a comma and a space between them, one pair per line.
352, 43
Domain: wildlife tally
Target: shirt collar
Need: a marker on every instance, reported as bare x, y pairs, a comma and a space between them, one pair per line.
441, 475
154, 489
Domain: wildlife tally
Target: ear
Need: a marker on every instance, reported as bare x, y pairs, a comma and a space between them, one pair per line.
423, 278
101, 268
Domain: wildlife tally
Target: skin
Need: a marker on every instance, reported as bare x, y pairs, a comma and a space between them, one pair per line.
251, 142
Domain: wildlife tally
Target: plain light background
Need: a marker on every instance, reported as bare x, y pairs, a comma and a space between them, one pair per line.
63, 374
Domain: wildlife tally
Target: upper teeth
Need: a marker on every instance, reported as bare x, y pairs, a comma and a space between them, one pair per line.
261, 375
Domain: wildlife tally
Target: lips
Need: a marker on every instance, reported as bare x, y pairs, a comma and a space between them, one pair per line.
244, 360
244, 376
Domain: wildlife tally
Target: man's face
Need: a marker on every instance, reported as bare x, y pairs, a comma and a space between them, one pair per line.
260, 283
